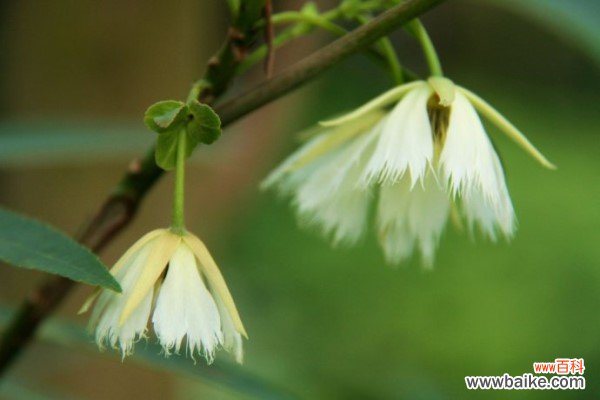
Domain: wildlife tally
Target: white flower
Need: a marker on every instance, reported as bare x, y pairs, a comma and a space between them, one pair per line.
426, 156
176, 275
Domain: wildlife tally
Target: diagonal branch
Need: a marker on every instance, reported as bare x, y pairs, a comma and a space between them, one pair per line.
122, 204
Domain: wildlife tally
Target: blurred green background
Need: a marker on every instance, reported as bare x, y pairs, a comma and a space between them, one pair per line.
323, 323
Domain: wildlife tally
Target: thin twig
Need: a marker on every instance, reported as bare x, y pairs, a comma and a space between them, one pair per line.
122, 204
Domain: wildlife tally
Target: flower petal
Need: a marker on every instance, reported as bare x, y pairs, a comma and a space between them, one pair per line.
392, 221
89, 301
185, 307
323, 145
342, 214
467, 158
490, 217
473, 169
380, 101
327, 142
133, 249
412, 216
505, 126
106, 313
162, 249
209, 268
328, 194
405, 142
232, 340
115, 270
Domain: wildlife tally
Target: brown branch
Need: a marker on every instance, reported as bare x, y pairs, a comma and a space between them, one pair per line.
121, 206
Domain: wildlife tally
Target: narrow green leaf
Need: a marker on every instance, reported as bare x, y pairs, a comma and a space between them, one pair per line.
166, 116
166, 149
206, 125
27, 243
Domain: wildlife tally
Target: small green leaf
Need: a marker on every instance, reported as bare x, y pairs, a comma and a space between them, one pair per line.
166, 149
27, 243
206, 125
166, 116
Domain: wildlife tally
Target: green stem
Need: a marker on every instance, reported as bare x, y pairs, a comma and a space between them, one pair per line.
433, 61
178, 223
392, 58
316, 20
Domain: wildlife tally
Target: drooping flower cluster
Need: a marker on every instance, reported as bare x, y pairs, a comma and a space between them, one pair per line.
174, 278
425, 159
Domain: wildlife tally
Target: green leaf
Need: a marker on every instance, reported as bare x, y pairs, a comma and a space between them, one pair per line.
166, 116
206, 125
166, 149
27, 243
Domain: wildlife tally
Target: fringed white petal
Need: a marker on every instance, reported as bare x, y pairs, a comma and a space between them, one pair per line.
392, 222
405, 142
279, 174
185, 307
491, 218
473, 170
506, 126
410, 216
232, 339
209, 270
326, 193
377, 103
161, 251
107, 311
326, 141
342, 215
468, 157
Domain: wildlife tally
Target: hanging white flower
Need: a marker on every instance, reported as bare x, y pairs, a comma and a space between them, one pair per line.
428, 155
176, 276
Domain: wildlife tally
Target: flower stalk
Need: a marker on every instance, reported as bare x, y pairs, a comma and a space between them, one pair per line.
431, 56
178, 223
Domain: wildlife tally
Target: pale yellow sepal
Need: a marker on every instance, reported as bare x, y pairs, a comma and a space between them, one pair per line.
215, 279
380, 101
89, 301
505, 126
334, 138
134, 249
118, 265
160, 254
444, 88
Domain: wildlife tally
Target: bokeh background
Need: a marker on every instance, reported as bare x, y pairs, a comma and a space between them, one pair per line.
76, 77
